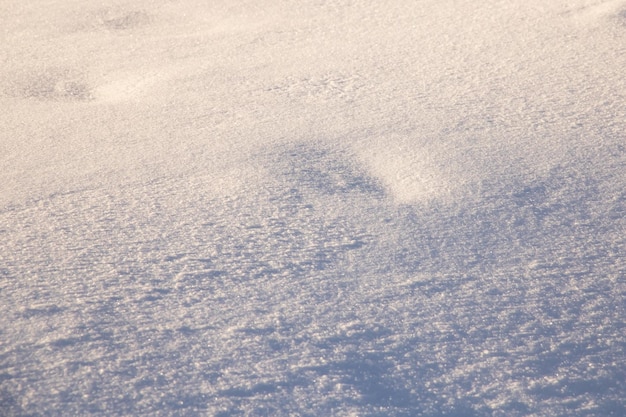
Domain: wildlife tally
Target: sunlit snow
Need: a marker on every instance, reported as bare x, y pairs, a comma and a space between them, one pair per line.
313, 208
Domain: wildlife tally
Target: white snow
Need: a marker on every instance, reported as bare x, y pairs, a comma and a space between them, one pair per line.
314, 207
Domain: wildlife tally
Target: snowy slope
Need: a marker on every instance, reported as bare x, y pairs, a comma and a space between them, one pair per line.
316, 208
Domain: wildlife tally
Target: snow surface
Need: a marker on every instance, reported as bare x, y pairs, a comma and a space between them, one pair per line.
313, 208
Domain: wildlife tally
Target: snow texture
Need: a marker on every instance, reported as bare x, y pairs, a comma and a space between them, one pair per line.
313, 208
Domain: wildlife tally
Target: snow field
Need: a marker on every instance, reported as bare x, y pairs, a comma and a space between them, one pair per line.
318, 208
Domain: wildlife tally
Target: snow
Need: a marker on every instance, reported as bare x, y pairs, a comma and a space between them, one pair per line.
316, 208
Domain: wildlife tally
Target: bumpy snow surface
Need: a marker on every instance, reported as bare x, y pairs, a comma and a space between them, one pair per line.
313, 208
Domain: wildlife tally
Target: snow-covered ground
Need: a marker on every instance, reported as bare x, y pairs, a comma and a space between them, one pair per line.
313, 208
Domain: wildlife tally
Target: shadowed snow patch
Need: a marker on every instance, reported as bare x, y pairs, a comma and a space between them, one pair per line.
114, 19
322, 172
593, 13
49, 84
